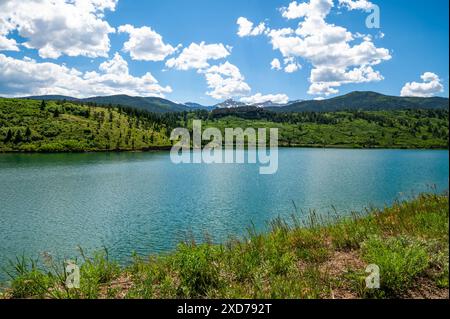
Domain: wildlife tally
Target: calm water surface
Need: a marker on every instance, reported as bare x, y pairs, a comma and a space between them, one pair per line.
142, 202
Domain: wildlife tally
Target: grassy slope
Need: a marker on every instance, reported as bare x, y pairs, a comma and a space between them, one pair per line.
408, 241
74, 128
70, 127
408, 132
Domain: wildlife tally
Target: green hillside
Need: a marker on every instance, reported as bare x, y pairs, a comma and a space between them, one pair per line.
27, 125
56, 126
352, 129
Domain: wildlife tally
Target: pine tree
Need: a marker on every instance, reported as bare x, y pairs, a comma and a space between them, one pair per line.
9, 136
28, 133
42, 108
18, 137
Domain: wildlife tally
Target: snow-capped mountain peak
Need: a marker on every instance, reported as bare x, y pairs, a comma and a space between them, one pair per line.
230, 103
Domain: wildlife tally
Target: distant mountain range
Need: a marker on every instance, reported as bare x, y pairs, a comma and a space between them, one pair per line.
51, 98
230, 103
368, 101
151, 104
351, 101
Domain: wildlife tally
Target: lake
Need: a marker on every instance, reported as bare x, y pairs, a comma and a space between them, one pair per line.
143, 202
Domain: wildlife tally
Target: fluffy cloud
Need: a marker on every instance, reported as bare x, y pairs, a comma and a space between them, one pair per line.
319, 9
356, 4
335, 57
430, 86
322, 88
26, 76
356, 75
145, 44
326, 80
291, 68
246, 28
57, 27
275, 65
259, 98
291, 65
8, 44
225, 81
196, 56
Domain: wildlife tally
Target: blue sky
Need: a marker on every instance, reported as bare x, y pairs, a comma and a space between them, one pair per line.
412, 42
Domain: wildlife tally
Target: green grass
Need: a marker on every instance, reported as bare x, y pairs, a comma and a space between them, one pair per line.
408, 241
65, 127
29, 126
400, 260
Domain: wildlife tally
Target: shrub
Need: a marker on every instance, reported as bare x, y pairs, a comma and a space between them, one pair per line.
198, 270
51, 147
400, 260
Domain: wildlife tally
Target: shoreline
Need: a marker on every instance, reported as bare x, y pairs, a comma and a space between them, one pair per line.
314, 259
168, 148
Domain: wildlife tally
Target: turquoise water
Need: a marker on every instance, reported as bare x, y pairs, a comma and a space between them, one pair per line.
142, 202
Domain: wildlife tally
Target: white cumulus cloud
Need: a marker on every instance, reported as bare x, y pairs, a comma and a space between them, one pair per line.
430, 86
246, 28
275, 64
291, 68
8, 44
57, 27
19, 77
290, 65
337, 55
314, 8
356, 4
225, 81
145, 44
196, 56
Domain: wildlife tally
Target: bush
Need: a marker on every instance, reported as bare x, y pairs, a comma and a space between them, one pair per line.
198, 270
400, 260
51, 147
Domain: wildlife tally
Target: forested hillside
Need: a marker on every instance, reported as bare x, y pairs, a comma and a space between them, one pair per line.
57, 126
27, 125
